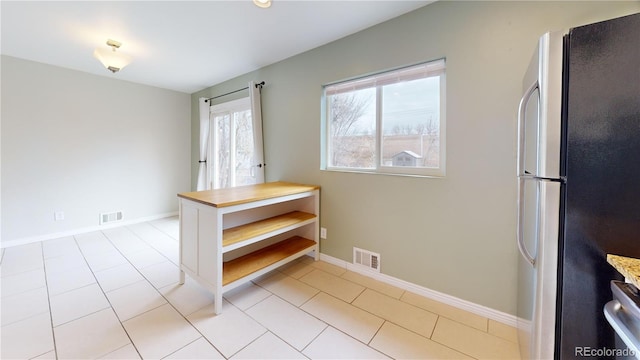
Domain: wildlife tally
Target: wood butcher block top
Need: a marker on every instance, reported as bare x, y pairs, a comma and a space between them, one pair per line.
629, 267
245, 194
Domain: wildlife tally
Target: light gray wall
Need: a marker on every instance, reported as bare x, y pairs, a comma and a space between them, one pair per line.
456, 234
86, 144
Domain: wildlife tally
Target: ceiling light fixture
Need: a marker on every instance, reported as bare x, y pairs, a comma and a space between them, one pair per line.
112, 60
262, 3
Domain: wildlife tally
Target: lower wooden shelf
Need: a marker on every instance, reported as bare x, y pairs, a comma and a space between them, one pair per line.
243, 232
248, 264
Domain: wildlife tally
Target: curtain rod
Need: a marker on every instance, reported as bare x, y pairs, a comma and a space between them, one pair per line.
258, 85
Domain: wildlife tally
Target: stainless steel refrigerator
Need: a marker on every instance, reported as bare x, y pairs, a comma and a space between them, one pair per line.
578, 184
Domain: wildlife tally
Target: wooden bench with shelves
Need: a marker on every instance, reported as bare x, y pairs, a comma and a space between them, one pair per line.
231, 236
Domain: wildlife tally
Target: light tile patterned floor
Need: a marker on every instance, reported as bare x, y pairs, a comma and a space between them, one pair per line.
115, 294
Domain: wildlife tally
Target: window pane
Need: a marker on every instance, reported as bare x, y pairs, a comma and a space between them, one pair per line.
352, 129
244, 148
222, 151
411, 123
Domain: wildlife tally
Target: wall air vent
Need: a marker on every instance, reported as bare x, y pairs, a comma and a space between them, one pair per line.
366, 259
106, 218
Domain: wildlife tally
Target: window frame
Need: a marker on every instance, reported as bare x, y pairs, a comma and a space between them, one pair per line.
439, 66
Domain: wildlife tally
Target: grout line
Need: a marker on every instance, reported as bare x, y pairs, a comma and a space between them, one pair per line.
315, 338
260, 301
26, 318
309, 299
326, 272
251, 342
21, 272
201, 334
404, 292
359, 294
434, 328
121, 347
150, 243
39, 355
202, 337
83, 316
46, 283
23, 291
159, 229
374, 336
376, 333
445, 345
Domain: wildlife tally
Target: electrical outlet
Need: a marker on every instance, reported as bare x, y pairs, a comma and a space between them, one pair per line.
58, 216
323, 233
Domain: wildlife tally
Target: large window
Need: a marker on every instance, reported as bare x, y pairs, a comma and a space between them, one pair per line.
391, 122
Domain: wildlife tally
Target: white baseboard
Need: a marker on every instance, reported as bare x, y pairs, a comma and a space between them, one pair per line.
480, 310
28, 240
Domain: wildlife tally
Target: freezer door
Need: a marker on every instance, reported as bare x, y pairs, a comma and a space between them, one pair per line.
528, 122
539, 112
550, 116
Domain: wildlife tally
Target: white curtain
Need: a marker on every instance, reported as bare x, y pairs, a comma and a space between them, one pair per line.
256, 115
203, 167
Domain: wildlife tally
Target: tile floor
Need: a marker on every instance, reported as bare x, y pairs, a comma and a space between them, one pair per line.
114, 294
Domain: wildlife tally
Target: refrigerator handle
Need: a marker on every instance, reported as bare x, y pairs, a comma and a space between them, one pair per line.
520, 225
522, 110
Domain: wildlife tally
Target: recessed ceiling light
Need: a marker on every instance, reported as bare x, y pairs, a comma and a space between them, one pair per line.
262, 3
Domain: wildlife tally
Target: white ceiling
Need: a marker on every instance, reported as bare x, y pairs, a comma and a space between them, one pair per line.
183, 45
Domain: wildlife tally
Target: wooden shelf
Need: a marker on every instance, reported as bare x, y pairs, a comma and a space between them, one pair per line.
248, 264
253, 230
245, 194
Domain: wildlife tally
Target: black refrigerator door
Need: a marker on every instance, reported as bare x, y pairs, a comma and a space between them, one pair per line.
602, 203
